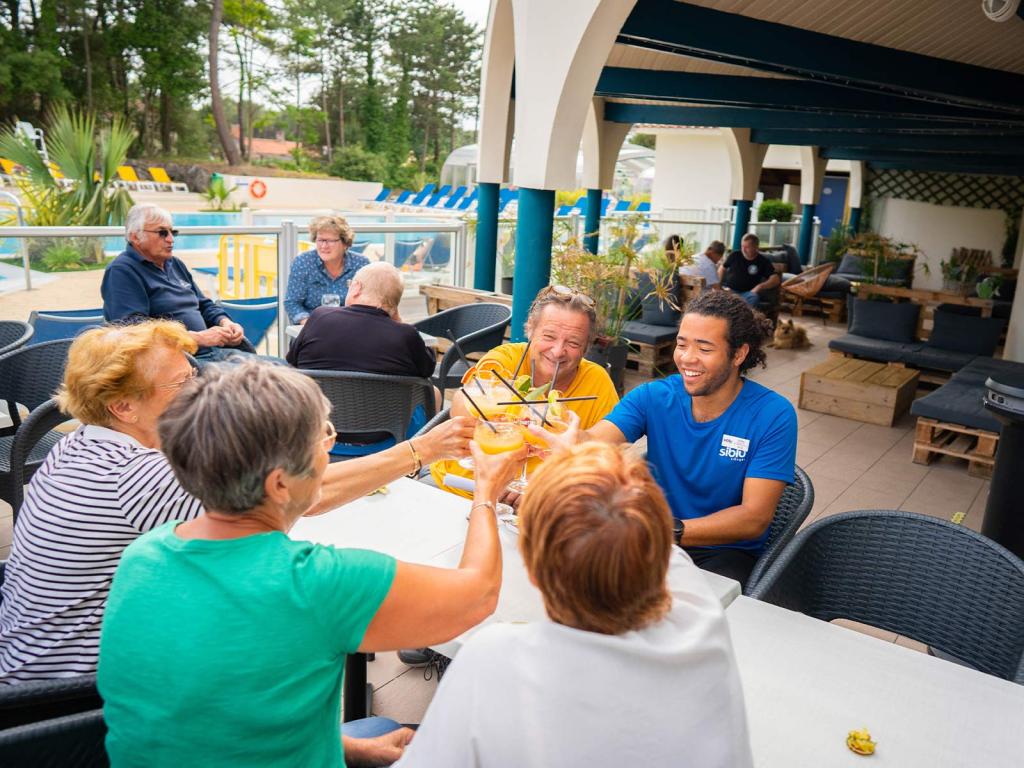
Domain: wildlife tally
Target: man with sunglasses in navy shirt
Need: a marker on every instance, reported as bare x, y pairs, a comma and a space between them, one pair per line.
147, 281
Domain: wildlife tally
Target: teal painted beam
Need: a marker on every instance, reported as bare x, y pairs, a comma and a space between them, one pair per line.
739, 117
486, 236
854, 225
966, 161
592, 222
533, 253
691, 30
804, 244
769, 92
1012, 144
742, 222
948, 166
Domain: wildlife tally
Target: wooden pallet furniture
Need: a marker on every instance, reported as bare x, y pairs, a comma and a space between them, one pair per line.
801, 293
928, 300
858, 389
938, 438
441, 297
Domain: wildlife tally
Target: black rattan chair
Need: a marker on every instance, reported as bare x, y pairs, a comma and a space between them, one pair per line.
441, 417
74, 741
32, 701
33, 440
476, 328
790, 513
367, 407
14, 334
936, 582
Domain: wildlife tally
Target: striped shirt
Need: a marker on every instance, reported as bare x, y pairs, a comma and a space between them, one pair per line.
97, 491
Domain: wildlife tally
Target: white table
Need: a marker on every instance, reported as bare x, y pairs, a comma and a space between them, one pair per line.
292, 332
807, 683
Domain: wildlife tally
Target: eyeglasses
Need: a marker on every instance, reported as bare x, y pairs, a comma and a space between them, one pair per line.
330, 435
163, 232
179, 384
324, 241
566, 294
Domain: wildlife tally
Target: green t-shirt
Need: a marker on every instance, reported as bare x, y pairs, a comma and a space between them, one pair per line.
231, 653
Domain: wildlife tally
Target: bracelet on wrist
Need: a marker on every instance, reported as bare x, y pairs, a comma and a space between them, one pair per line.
416, 459
488, 504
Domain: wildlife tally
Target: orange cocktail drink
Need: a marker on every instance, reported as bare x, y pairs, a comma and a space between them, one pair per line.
498, 437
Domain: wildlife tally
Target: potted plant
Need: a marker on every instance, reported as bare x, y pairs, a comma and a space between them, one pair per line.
658, 280
989, 287
774, 210
885, 261
607, 278
958, 276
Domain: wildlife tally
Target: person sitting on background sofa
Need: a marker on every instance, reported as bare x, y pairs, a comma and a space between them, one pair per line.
747, 272
706, 264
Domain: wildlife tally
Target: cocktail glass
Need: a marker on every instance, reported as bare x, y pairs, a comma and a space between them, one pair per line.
499, 437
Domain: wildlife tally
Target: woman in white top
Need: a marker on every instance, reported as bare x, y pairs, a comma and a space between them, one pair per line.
107, 483
635, 666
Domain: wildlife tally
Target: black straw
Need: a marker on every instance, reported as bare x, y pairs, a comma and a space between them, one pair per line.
519, 365
485, 419
522, 399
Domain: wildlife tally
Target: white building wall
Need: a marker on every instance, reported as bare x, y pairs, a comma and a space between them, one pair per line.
691, 171
937, 230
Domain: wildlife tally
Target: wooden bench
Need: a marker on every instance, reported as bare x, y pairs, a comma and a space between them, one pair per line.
441, 297
977, 446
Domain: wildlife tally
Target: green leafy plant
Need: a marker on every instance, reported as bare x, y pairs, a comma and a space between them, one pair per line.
662, 268
62, 257
989, 287
78, 188
218, 194
881, 255
775, 210
958, 276
837, 244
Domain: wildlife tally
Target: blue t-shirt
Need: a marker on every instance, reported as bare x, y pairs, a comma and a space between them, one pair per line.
701, 466
308, 281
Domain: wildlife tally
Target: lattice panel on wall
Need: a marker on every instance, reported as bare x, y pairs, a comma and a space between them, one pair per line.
957, 189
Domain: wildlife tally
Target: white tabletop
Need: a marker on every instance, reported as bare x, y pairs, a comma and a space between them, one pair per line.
421, 524
292, 332
807, 683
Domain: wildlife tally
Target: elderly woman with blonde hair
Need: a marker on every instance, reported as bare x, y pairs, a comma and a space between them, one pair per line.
634, 666
225, 641
99, 488
322, 275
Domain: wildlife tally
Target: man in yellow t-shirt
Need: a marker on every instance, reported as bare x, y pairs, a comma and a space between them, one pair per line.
561, 325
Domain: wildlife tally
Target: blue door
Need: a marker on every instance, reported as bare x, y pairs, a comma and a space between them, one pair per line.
832, 203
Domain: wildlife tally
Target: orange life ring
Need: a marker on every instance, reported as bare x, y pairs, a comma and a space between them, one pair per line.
258, 189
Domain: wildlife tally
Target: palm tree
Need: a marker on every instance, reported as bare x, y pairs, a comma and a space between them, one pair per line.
88, 162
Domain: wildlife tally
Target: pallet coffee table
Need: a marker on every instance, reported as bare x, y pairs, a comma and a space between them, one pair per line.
858, 389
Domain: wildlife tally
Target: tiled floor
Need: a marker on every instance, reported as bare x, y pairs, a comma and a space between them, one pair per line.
852, 466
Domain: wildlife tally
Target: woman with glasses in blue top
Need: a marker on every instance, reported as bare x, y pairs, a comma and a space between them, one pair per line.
322, 275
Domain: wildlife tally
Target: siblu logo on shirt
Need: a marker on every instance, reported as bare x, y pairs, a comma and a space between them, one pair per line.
734, 448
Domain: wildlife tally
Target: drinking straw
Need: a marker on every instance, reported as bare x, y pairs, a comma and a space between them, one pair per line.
522, 399
519, 365
485, 419
558, 400
554, 380
462, 357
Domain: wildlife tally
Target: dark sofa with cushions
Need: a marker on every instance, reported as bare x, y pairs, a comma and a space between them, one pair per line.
886, 332
960, 400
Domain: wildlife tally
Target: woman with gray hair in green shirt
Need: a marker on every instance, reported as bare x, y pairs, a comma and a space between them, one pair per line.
224, 641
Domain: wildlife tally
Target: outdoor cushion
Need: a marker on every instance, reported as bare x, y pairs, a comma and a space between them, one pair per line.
851, 265
981, 368
786, 255
873, 349
957, 403
882, 320
648, 334
937, 359
964, 333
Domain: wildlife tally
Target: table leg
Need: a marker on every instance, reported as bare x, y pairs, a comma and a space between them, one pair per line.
356, 690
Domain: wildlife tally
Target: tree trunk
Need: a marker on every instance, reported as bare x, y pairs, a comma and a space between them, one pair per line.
165, 121
341, 113
87, 54
241, 101
223, 132
327, 115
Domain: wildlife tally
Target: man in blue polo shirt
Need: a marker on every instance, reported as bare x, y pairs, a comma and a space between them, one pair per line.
722, 447
146, 280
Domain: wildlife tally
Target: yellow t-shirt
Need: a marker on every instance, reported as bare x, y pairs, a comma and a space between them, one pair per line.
591, 379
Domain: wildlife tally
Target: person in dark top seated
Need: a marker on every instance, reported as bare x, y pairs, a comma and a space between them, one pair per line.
367, 334
748, 272
147, 281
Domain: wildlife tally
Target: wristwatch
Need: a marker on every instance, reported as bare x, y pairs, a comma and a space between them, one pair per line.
678, 528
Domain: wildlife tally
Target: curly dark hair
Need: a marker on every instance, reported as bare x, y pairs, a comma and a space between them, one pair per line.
745, 324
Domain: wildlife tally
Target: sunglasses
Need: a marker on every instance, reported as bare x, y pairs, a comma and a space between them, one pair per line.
163, 232
566, 294
330, 435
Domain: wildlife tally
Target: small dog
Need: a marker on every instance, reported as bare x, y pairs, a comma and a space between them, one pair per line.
789, 335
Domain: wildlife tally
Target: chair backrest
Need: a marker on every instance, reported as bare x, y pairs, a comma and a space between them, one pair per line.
469, 199
14, 334
454, 197
74, 741
32, 374
159, 175
254, 315
36, 425
372, 403
64, 324
621, 205
7, 166
405, 195
422, 194
440, 418
790, 513
404, 249
936, 582
127, 173
440, 252
382, 195
473, 325
36, 700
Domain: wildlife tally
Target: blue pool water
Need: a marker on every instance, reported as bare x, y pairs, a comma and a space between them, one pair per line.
9, 246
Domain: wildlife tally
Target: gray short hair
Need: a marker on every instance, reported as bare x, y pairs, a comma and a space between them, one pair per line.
232, 426
383, 283
576, 301
139, 214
